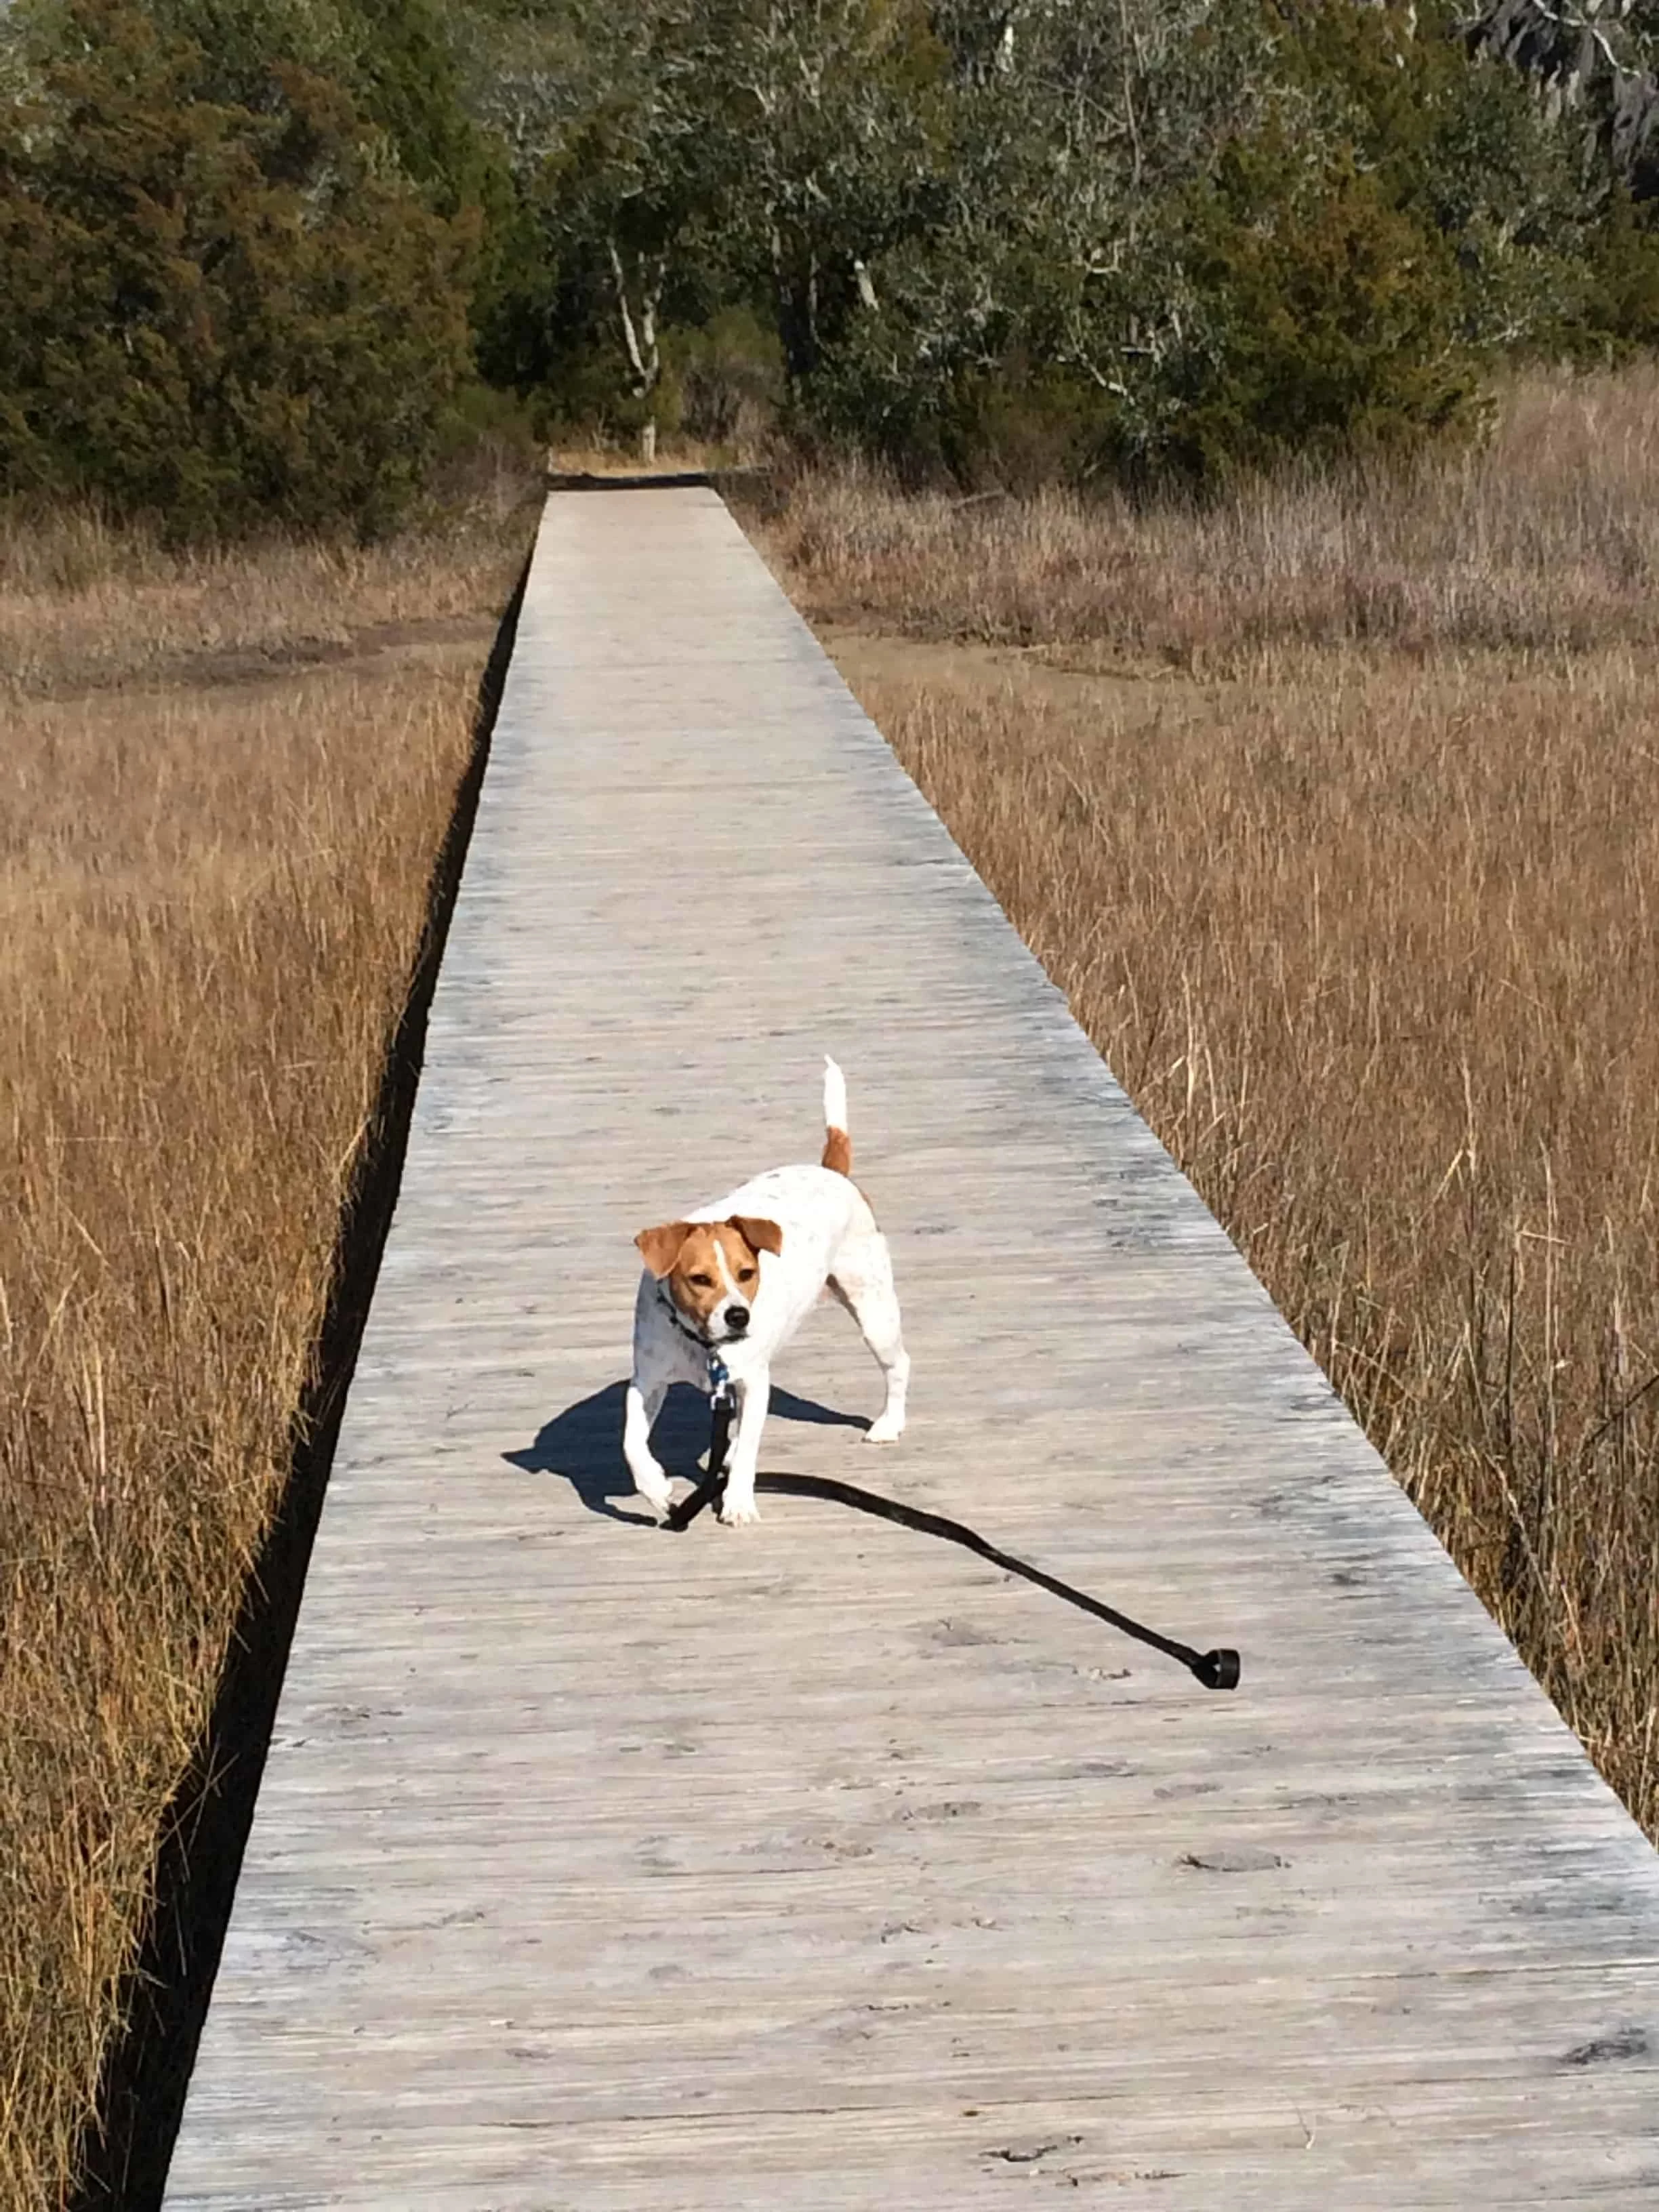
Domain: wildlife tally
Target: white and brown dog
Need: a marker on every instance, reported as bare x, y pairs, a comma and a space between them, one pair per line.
735, 1279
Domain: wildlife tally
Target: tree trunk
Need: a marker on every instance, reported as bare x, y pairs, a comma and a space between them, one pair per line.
640, 335
796, 289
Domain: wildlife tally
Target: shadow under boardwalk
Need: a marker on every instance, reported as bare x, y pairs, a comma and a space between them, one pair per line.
808, 1865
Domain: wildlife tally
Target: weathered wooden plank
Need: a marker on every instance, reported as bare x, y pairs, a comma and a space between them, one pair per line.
819, 1864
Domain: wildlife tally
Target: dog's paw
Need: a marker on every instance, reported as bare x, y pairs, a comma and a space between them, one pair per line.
737, 1513
887, 1430
653, 1491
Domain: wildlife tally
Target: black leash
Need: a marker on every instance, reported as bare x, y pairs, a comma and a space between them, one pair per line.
1216, 1670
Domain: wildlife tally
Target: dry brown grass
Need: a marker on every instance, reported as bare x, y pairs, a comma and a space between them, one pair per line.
209, 899
1349, 868
1546, 538
674, 457
84, 604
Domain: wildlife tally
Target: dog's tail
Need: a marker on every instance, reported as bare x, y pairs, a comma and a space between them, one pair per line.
837, 1144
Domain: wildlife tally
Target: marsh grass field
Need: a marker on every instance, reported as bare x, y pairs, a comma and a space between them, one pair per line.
1334, 806
1331, 806
224, 783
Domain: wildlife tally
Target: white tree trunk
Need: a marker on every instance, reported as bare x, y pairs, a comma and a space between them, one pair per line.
640, 334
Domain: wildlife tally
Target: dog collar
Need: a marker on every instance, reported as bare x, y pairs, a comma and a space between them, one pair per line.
666, 1301
720, 1375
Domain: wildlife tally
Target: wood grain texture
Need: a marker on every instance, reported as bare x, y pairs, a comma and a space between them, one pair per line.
818, 1864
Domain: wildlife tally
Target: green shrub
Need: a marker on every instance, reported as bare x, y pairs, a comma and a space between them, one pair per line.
1619, 305
728, 380
1327, 318
215, 315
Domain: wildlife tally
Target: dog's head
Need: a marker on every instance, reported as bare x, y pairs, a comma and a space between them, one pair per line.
711, 1269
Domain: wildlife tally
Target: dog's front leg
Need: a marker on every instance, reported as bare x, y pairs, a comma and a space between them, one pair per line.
738, 1504
644, 1404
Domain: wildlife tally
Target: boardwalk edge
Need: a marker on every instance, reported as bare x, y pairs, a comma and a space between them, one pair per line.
128, 2147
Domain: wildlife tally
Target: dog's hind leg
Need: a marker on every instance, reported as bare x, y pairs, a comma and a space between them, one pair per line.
863, 1281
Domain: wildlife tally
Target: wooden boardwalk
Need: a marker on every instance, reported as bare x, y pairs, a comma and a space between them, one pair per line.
817, 1864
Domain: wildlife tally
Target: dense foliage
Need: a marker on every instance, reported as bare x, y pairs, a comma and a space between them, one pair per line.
222, 303
254, 251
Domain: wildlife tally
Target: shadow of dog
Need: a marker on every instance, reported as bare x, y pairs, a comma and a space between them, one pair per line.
583, 1443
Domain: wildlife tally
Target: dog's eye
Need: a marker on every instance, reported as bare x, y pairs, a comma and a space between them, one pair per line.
700, 1282
745, 1274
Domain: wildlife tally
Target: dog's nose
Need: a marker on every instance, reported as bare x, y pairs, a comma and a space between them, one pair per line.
737, 1319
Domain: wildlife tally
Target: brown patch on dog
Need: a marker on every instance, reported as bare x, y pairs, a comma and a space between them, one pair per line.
696, 1285
837, 1155
689, 1252
661, 1247
759, 1236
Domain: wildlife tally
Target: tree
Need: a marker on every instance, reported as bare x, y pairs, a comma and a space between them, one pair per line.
1332, 316
716, 153
840, 115
1036, 296
215, 314
623, 154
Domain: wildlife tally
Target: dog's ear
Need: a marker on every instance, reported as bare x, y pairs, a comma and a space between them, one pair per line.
661, 1247
759, 1236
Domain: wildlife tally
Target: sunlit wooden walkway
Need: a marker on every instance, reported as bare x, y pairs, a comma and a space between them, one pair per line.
816, 1865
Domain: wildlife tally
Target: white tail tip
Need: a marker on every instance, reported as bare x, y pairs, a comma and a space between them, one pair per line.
834, 1096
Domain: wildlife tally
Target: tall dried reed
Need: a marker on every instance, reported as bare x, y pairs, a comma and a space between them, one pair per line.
209, 900
1543, 539
1363, 914
85, 603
